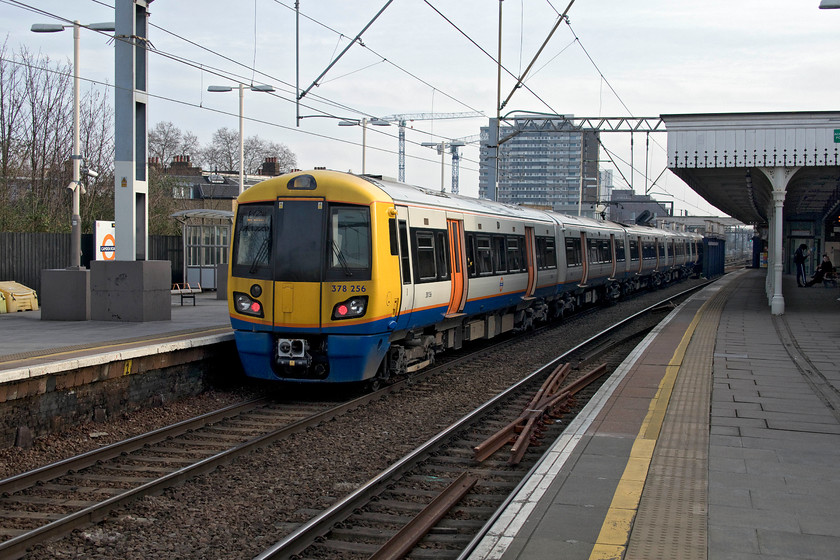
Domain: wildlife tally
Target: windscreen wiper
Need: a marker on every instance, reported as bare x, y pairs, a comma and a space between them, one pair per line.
341, 260
262, 255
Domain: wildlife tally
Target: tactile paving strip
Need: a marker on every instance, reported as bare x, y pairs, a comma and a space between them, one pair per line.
671, 521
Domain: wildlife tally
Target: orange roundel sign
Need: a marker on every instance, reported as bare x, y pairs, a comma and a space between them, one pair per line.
108, 249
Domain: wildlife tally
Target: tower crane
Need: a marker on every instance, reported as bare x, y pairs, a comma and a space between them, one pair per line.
456, 156
402, 119
453, 146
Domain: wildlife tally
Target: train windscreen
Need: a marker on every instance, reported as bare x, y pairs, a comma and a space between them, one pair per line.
350, 243
302, 241
252, 243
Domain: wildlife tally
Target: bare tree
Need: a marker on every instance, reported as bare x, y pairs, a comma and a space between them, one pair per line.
223, 152
48, 129
11, 156
167, 141
36, 142
96, 127
258, 150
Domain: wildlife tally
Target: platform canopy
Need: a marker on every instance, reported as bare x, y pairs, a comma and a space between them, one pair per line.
720, 155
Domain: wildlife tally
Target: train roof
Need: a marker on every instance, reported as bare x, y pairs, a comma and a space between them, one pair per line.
413, 194
416, 195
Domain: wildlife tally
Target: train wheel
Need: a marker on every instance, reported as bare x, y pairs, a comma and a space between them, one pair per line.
383, 373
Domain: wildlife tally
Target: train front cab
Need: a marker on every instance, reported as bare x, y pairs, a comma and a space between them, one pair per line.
314, 289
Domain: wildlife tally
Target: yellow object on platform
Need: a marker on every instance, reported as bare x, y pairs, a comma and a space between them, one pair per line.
18, 297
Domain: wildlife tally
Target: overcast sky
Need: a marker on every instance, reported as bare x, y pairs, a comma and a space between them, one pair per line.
616, 58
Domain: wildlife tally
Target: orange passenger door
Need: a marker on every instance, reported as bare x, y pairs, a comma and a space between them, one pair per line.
457, 258
584, 248
531, 249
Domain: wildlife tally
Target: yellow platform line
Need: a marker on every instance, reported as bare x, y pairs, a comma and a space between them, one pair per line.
615, 532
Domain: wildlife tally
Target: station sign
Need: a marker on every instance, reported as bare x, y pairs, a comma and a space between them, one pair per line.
104, 239
837, 135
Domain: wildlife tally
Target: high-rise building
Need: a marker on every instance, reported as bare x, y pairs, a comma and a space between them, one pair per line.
542, 165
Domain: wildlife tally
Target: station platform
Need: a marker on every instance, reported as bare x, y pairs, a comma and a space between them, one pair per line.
30, 347
719, 437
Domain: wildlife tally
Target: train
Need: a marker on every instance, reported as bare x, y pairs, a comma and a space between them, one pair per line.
342, 278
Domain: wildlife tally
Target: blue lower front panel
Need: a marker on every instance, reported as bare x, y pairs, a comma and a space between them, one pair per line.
350, 357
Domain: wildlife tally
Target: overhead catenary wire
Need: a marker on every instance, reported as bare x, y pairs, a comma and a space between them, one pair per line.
490, 56
230, 114
322, 100
277, 80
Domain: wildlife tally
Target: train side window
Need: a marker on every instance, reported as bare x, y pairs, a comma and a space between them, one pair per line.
546, 253
483, 256
442, 256
604, 250
661, 245
514, 250
573, 252
619, 250
392, 235
471, 255
592, 251
500, 261
634, 250
426, 262
406, 259
648, 250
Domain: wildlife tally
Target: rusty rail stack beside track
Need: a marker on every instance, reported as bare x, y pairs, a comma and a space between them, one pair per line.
548, 403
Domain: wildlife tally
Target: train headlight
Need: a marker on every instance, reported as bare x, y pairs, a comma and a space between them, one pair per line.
245, 304
352, 308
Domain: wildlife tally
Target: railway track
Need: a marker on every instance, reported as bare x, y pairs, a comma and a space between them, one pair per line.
51, 501
57, 498
399, 514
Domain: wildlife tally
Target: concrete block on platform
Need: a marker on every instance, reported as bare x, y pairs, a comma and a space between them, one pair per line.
65, 294
131, 291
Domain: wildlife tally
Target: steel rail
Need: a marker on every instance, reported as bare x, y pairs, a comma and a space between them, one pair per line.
78, 462
406, 538
504, 505
17, 546
302, 537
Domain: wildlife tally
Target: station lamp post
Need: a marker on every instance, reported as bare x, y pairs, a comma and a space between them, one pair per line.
76, 157
241, 123
364, 122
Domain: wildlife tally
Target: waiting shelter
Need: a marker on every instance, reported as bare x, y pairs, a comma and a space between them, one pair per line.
206, 236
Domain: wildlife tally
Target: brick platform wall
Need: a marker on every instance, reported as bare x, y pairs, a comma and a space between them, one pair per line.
54, 402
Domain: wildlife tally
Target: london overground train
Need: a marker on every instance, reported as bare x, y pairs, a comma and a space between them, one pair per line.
336, 277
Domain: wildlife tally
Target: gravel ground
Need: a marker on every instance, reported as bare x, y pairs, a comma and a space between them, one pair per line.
92, 435
244, 507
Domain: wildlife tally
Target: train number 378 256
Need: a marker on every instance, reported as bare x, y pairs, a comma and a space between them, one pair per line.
349, 288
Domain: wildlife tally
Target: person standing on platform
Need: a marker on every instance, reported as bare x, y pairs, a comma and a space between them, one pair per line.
799, 260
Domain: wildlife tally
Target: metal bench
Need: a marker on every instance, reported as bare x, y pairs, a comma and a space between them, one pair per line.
186, 291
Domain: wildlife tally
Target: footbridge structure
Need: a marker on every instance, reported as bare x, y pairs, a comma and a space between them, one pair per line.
777, 171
